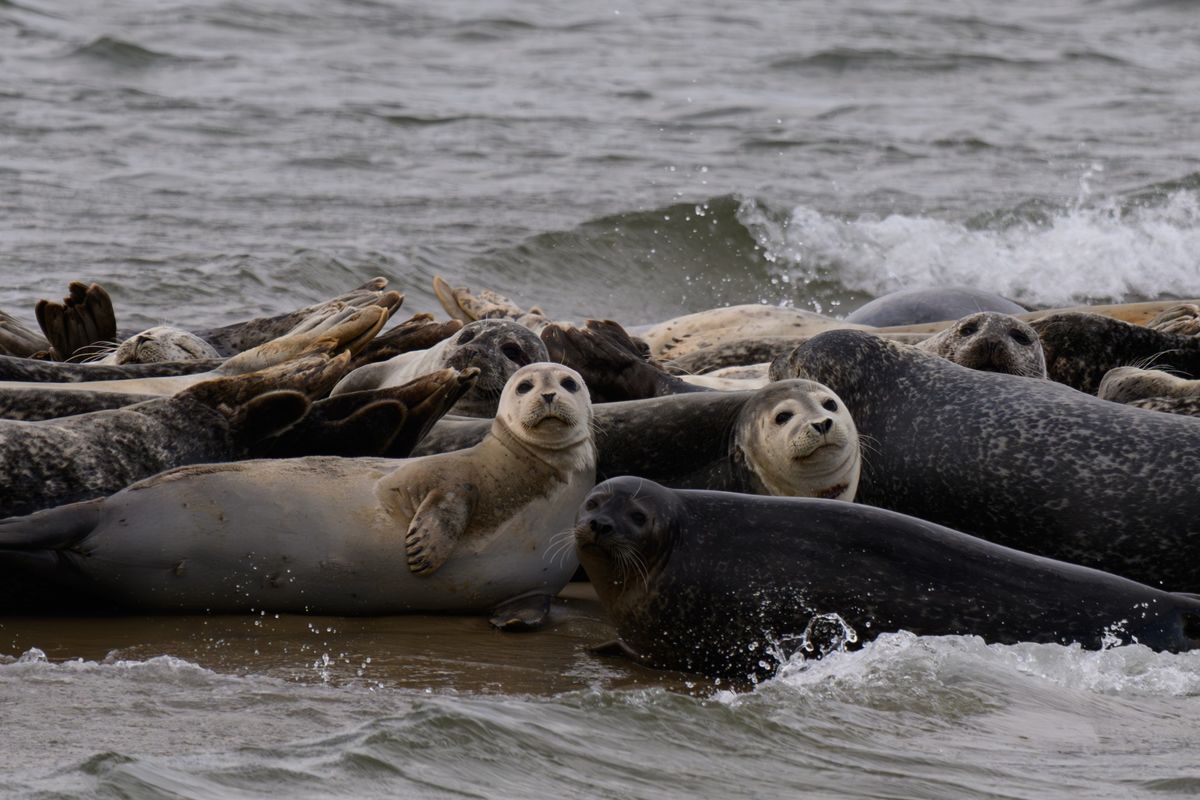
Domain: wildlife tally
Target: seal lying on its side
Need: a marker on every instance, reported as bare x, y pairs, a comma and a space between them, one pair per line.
791, 437
497, 348
462, 532
1027, 463
728, 585
77, 458
991, 342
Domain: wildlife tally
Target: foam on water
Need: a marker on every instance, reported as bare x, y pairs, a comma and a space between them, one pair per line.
1110, 250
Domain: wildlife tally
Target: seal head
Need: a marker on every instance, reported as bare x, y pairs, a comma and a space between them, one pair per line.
991, 342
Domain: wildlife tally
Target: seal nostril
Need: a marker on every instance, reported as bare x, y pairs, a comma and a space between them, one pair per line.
823, 426
549, 396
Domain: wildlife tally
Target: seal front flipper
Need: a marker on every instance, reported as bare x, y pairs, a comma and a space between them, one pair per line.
52, 529
616, 648
527, 613
437, 526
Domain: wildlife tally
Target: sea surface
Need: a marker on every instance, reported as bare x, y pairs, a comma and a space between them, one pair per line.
208, 162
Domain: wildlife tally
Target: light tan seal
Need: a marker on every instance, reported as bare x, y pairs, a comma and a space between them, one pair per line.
467, 531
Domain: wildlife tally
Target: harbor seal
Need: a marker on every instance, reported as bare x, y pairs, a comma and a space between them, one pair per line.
751, 441
1023, 462
497, 348
1081, 348
992, 342
1126, 384
729, 585
160, 343
917, 306
33, 404
463, 532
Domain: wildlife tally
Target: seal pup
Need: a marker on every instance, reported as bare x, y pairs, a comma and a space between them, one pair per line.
1023, 462
497, 348
89, 455
462, 532
350, 329
916, 306
1081, 348
992, 342
793, 436
730, 585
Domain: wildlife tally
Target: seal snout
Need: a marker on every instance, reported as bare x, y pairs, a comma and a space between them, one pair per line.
824, 426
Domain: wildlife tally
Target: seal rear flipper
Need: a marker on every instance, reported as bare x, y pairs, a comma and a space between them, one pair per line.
267, 416
612, 363
418, 333
84, 318
526, 613
52, 529
437, 526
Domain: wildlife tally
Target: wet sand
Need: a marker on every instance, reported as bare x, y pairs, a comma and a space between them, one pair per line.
412, 651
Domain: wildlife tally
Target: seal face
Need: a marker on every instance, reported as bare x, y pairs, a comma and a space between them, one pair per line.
160, 343
497, 348
1028, 463
731, 585
799, 440
991, 342
464, 531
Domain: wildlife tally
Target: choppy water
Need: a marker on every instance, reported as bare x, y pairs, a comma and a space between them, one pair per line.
210, 161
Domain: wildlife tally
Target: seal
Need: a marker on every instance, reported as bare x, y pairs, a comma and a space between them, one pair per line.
33, 404
793, 437
29, 370
349, 329
497, 348
992, 342
1081, 348
160, 343
89, 455
918, 306
1023, 462
1126, 384
730, 585
463, 532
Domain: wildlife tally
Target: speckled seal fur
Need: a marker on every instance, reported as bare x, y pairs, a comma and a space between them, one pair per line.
991, 342
33, 404
1080, 348
1023, 462
31, 370
726, 584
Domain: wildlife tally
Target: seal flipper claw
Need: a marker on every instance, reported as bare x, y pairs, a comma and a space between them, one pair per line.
528, 613
437, 526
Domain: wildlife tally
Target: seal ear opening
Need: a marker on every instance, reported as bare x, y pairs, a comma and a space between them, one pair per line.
269, 414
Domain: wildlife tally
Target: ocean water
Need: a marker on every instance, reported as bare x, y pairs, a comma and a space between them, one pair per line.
213, 161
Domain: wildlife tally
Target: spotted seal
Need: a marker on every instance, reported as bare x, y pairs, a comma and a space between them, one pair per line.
1024, 462
992, 342
729, 585
463, 532
497, 348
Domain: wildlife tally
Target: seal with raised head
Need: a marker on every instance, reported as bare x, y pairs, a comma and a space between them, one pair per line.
497, 348
992, 342
730, 585
1027, 463
462, 532
791, 437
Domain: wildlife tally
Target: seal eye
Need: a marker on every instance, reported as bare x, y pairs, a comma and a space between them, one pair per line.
1020, 337
466, 337
638, 518
782, 417
513, 352
524, 387
570, 385
591, 504
969, 329
830, 404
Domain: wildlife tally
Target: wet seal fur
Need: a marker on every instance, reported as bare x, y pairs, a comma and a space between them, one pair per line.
463, 532
733, 441
729, 585
497, 348
1023, 462
917, 306
991, 342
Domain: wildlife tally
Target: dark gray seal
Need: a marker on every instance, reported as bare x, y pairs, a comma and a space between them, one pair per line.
1081, 348
33, 404
728, 585
1027, 463
992, 342
33, 370
50, 463
916, 306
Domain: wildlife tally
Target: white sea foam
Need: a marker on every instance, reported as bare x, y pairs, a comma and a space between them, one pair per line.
1089, 252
